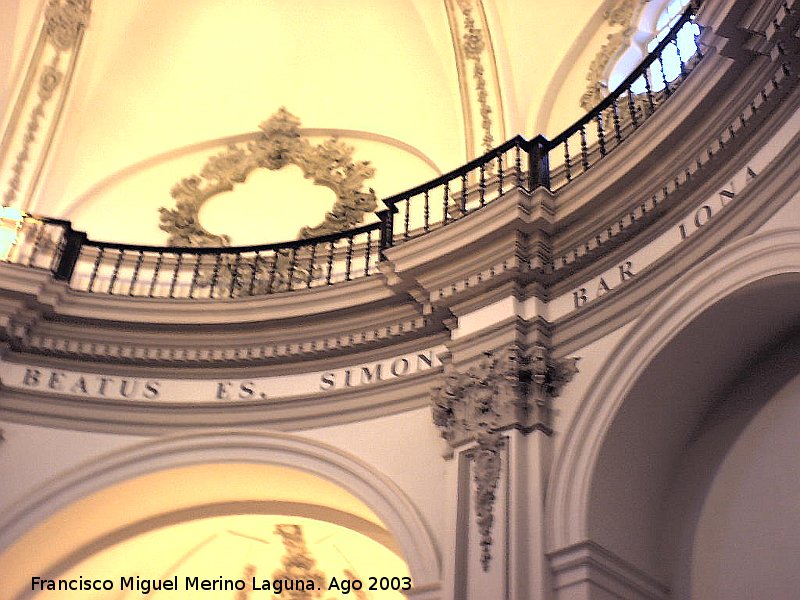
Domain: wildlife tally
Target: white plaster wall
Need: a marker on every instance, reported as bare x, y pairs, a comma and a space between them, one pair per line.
32, 456
592, 358
733, 531
405, 447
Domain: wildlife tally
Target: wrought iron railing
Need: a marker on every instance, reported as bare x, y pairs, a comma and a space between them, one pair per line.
232, 272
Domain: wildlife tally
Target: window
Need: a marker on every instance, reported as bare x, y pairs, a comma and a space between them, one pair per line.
671, 56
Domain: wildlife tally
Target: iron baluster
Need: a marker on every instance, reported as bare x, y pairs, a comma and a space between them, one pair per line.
273, 270
195, 274
367, 252
601, 139
584, 149
95, 268
649, 90
406, 217
115, 272
154, 278
37, 241
234, 274
256, 265
310, 277
330, 262
348, 258
292, 265
427, 211
135, 275
500, 173
178, 263
446, 202
463, 204
632, 109
615, 117
215, 275
567, 163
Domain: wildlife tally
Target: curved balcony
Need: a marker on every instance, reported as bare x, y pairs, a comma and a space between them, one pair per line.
99, 267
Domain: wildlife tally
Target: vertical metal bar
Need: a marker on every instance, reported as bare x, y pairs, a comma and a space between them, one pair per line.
349, 257
115, 272
463, 203
427, 211
37, 241
234, 274
567, 163
632, 109
273, 270
331, 247
310, 277
649, 90
584, 149
95, 268
256, 265
178, 263
482, 185
518, 164
615, 117
500, 173
195, 272
215, 275
446, 202
290, 273
406, 217
135, 275
601, 135
367, 252
154, 278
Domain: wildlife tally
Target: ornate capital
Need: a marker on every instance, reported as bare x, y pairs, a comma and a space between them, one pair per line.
508, 388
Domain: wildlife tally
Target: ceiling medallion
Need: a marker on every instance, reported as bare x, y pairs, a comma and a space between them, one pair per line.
277, 145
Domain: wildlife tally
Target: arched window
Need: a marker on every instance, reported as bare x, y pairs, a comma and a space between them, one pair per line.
652, 29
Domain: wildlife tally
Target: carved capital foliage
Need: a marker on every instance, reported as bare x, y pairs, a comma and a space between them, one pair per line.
277, 145
508, 388
64, 21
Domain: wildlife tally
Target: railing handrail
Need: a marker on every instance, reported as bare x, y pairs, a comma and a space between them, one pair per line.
273, 246
517, 140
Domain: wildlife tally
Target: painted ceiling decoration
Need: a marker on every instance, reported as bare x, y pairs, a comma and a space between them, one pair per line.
278, 144
480, 98
26, 141
621, 14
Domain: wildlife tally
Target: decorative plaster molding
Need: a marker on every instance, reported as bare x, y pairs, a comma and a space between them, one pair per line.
472, 43
507, 388
119, 351
279, 144
298, 563
620, 14
64, 23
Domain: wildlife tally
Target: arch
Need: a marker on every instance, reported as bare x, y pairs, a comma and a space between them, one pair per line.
752, 264
379, 493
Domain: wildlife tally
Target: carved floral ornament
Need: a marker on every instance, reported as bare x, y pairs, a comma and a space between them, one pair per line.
277, 145
620, 14
508, 388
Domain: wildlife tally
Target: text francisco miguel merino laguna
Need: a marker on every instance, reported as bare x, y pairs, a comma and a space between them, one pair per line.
274, 586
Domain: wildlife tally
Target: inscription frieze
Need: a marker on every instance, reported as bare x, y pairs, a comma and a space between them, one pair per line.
125, 387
